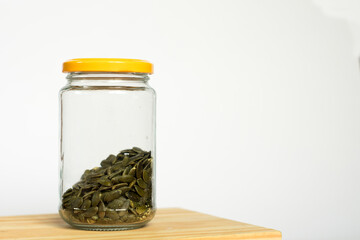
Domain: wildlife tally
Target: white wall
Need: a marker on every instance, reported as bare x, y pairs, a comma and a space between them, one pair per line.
258, 104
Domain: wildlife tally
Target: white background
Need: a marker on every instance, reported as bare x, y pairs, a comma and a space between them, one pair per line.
258, 104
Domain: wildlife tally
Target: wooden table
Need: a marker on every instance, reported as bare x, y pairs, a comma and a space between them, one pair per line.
172, 223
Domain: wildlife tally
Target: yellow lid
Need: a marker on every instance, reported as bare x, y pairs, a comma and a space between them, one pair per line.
107, 65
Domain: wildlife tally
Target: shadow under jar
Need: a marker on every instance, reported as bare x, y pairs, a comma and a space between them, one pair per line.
107, 144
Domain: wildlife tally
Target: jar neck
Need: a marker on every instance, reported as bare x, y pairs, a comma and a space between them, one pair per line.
107, 79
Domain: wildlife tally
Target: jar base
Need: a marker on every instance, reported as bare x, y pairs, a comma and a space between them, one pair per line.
116, 226
107, 228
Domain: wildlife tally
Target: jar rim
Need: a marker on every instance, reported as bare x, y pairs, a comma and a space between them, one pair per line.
114, 65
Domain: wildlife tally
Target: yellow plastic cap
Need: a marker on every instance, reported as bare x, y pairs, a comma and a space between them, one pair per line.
107, 65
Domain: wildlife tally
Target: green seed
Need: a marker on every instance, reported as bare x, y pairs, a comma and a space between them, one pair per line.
126, 151
122, 213
125, 189
125, 179
86, 204
127, 170
141, 183
120, 185
132, 183
102, 210
95, 199
146, 177
136, 158
109, 196
125, 161
110, 160
124, 218
132, 171
139, 170
117, 203
117, 167
126, 205
90, 212
140, 210
105, 181
67, 193
69, 199
139, 190
77, 202
138, 150
133, 196
90, 221
112, 214
103, 188
133, 211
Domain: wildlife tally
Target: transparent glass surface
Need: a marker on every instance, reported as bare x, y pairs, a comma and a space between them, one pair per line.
107, 162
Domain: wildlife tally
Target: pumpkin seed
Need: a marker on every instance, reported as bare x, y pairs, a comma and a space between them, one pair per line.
148, 163
139, 169
68, 199
140, 210
126, 151
132, 171
127, 170
120, 185
105, 181
133, 211
81, 217
95, 199
122, 213
67, 193
77, 202
90, 221
132, 183
136, 157
124, 218
125, 189
139, 190
86, 204
112, 214
133, 196
125, 179
117, 167
146, 177
102, 210
126, 205
90, 212
125, 161
117, 203
141, 183
103, 188
109, 196
88, 194
137, 149
111, 159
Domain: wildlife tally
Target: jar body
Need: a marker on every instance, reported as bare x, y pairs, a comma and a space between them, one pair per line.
107, 162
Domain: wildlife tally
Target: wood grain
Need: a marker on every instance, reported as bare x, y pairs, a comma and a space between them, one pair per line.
172, 223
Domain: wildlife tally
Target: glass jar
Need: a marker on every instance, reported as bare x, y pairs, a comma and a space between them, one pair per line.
107, 144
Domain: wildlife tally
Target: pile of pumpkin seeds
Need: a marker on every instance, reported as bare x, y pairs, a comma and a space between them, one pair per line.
120, 191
